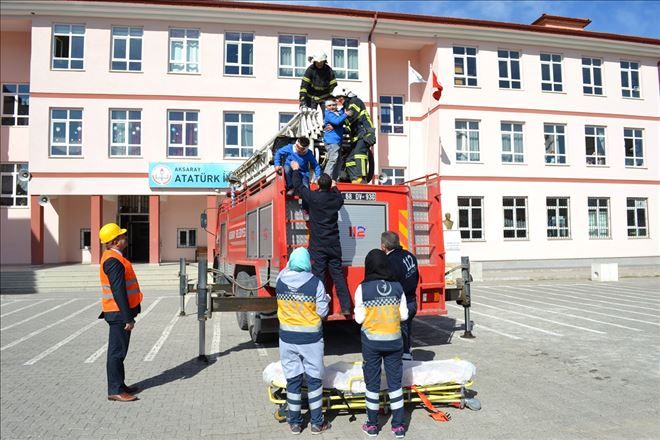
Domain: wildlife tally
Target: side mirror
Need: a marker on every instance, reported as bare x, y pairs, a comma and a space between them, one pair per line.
203, 220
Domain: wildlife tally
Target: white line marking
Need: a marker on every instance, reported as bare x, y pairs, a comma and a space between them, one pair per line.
580, 310
23, 308
37, 315
555, 311
626, 292
478, 327
163, 337
541, 319
65, 341
43, 329
98, 353
261, 350
513, 322
215, 342
6, 303
447, 332
613, 300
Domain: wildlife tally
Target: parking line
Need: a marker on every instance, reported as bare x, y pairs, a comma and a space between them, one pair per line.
633, 296
215, 342
163, 337
63, 342
37, 315
98, 353
610, 298
43, 329
512, 322
426, 324
23, 308
606, 291
541, 319
561, 313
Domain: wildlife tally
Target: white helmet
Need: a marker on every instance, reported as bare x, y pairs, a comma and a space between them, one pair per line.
345, 92
318, 57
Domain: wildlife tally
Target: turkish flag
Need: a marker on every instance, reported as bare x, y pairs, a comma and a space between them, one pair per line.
436, 85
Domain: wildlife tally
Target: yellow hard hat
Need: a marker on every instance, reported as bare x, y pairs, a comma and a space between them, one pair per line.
109, 232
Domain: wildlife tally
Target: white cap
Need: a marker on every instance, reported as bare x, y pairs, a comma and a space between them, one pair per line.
319, 57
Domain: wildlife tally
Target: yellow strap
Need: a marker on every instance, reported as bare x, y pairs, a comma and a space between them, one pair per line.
304, 78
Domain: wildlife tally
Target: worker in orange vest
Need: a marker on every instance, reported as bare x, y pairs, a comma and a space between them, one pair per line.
120, 302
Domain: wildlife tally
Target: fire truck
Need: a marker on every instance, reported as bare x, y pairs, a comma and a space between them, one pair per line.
258, 226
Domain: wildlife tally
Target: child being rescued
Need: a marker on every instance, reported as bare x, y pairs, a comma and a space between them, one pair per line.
301, 153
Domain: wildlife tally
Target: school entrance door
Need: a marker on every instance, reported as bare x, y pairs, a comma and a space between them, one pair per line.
133, 213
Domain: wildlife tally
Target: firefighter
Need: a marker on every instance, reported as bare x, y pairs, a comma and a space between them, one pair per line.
120, 302
363, 137
380, 306
405, 270
324, 245
318, 82
301, 304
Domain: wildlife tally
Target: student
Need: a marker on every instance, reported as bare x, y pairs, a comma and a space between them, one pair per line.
334, 120
304, 157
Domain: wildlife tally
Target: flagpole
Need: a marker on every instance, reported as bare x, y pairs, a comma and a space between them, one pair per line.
408, 98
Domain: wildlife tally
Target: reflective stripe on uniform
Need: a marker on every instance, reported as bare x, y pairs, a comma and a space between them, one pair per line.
396, 405
372, 395
307, 80
377, 337
293, 396
315, 393
293, 407
372, 406
300, 328
395, 394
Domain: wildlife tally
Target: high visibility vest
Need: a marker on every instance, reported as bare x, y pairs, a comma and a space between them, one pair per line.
133, 292
382, 322
296, 311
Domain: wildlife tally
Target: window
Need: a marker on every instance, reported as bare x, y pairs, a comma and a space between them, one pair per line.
126, 49
629, 79
345, 58
184, 51
512, 142
634, 147
85, 238
599, 217
515, 218
125, 132
187, 238
465, 66
391, 114
395, 176
68, 47
238, 135
239, 53
14, 190
284, 119
65, 132
509, 66
15, 104
467, 141
592, 78
182, 127
637, 217
551, 73
471, 218
555, 143
594, 140
293, 54
559, 225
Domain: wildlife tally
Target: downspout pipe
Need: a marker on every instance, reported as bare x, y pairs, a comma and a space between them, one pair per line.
371, 74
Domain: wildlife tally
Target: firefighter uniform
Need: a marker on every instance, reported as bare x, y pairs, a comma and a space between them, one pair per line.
380, 306
301, 303
363, 136
317, 86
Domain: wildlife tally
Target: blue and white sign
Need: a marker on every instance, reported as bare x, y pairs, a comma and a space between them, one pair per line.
190, 175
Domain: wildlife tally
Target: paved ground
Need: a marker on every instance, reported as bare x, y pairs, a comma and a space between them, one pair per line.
554, 361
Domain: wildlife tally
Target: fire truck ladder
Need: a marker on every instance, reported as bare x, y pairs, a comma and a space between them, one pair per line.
421, 228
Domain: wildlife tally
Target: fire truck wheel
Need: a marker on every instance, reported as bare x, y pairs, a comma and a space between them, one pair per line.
243, 279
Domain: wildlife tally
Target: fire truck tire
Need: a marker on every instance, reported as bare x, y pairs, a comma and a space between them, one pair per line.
244, 280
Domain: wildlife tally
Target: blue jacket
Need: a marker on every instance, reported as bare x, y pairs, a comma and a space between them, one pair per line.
337, 121
287, 153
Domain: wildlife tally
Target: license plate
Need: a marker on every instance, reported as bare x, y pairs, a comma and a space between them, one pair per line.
362, 196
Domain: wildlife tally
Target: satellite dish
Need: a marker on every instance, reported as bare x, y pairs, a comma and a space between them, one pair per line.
44, 200
24, 176
383, 178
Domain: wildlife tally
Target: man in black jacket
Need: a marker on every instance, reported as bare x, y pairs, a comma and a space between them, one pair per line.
318, 82
404, 267
324, 244
363, 137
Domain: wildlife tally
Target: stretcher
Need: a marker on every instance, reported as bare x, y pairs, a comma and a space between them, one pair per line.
443, 382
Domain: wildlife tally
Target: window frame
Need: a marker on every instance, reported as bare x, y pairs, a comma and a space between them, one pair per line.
185, 39
511, 134
595, 136
592, 68
127, 122
17, 100
392, 177
391, 106
239, 138
52, 121
509, 65
464, 57
556, 135
469, 208
241, 46
187, 245
629, 77
597, 209
184, 133
17, 167
69, 58
514, 208
127, 59
551, 63
293, 66
631, 161
466, 136
556, 208
345, 48
279, 119
635, 227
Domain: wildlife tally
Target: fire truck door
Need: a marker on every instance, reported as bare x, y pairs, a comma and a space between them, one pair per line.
360, 226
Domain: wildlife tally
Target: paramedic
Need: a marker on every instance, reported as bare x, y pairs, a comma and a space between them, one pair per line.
301, 303
324, 244
405, 270
380, 306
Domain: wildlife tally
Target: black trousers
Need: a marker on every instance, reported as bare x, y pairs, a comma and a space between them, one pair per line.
357, 162
406, 327
321, 262
118, 341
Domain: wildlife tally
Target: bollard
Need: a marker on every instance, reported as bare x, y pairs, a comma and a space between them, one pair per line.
465, 272
201, 308
183, 286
